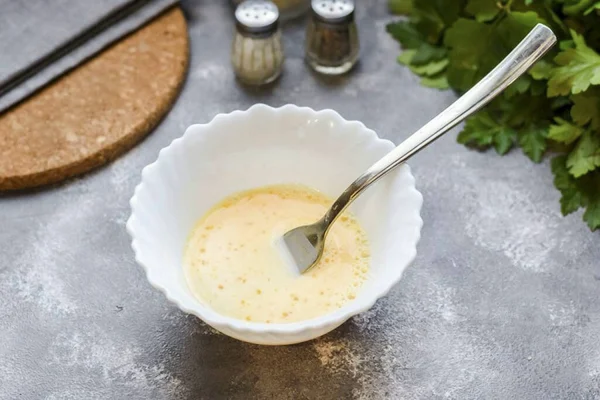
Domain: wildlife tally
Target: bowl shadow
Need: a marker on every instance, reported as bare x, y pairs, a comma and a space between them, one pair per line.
215, 366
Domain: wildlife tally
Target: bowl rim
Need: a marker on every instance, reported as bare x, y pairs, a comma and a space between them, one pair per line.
220, 321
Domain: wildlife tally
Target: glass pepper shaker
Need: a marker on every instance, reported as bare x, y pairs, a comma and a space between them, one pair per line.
332, 45
257, 53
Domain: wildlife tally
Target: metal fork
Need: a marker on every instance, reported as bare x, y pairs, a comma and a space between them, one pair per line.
305, 244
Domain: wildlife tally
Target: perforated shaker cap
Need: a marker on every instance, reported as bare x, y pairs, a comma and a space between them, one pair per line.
333, 11
257, 16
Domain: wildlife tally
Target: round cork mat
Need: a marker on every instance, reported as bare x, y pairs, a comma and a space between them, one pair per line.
97, 111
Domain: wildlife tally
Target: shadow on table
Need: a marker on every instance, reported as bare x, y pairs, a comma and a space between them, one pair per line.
215, 366
332, 82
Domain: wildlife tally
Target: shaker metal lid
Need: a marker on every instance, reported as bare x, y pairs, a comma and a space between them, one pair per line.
333, 11
257, 16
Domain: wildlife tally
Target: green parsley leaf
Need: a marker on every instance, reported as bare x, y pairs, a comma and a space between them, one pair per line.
470, 55
585, 157
483, 10
406, 34
566, 44
575, 7
547, 12
592, 8
592, 212
532, 140
432, 17
430, 69
439, 81
504, 140
564, 132
579, 68
406, 56
586, 108
402, 7
572, 197
482, 131
519, 86
478, 131
433, 68
514, 27
516, 111
576, 193
426, 53
476, 47
537, 88
541, 70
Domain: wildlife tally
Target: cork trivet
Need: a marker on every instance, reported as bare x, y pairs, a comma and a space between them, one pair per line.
97, 111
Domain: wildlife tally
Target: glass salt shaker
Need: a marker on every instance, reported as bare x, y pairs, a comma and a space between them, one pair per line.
257, 53
332, 45
288, 9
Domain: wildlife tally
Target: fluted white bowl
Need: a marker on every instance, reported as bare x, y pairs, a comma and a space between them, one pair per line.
266, 146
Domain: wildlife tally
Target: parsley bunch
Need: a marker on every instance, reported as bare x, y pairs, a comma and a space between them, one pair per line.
555, 108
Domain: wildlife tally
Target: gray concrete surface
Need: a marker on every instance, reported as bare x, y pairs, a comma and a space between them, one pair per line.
502, 301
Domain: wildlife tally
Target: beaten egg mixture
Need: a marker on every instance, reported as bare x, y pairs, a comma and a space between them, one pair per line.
233, 264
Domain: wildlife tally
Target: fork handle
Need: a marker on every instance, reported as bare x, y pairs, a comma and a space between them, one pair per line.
527, 52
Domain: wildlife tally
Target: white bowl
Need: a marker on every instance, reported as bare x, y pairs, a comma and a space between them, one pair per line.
265, 146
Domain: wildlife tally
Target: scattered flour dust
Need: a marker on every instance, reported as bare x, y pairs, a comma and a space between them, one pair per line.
36, 276
211, 71
120, 180
344, 356
367, 321
121, 177
114, 363
36, 281
592, 361
594, 367
384, 366
442, 303
562, 314
338, 355
525, 240
502, 215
